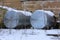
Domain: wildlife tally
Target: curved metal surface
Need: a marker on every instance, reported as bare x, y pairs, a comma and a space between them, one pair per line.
13, 19
41, 19
23, 19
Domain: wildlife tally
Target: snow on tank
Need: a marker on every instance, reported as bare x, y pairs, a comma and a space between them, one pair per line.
41, 19
15, 17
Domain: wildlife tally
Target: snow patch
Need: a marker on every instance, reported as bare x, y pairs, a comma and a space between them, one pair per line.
24, 34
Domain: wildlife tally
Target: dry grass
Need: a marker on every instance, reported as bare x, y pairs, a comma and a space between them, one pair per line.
2, 13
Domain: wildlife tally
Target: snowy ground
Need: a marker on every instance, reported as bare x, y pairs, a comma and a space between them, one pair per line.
27, 34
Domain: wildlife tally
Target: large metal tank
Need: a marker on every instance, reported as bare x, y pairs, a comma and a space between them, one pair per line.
15, 18
41, 19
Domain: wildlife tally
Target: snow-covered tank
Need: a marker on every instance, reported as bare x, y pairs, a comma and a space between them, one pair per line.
41, 19
15, 18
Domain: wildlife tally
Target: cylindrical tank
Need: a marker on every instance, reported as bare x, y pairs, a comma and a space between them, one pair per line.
41, 19
13, 19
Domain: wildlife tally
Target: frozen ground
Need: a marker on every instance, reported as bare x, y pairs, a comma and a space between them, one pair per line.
27, 34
